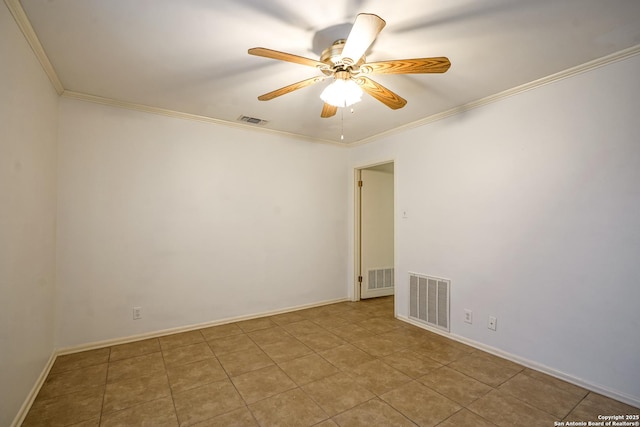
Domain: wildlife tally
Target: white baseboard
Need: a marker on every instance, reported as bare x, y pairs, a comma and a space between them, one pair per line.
26, 405
596, 388
156, 334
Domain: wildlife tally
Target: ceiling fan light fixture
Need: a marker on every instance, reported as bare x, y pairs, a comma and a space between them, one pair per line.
342, 93
345, 61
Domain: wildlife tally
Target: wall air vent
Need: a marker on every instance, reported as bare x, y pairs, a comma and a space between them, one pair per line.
380, 278
429, 300
252, 120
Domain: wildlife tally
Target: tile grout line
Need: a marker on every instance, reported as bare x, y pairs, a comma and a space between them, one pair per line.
166, 373
228, 375
576, 405
317, 353
246, 404
375, 395
497, 389
104, 394
536, 407
463, 408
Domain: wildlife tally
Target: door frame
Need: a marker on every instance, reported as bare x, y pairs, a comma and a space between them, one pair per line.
357, 243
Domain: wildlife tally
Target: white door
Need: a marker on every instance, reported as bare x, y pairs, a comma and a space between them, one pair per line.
376, 232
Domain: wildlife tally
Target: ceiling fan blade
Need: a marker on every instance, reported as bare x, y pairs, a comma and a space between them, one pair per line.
407, 66
381, 93
328, 110
289, 57
288, 89
364, 31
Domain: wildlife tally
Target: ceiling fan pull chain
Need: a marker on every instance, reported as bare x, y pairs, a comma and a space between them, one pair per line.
342, 124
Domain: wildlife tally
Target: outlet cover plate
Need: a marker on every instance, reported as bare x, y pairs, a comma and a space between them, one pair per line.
468, 316
493, 322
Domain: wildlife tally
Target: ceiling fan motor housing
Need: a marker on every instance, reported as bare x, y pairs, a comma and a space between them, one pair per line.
332, 56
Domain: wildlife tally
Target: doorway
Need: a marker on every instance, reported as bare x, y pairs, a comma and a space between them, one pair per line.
375, 274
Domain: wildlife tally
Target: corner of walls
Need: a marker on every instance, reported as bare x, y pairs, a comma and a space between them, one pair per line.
28, 119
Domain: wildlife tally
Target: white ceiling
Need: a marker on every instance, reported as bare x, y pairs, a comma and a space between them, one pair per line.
190, 56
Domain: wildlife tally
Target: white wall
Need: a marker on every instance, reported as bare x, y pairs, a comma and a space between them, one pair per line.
28, 127
193, 222
531, 206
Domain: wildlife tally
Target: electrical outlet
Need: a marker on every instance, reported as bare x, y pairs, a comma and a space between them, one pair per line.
468, 316
137, 313
492, 323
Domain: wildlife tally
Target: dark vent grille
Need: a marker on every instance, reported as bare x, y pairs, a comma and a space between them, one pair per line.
252, 120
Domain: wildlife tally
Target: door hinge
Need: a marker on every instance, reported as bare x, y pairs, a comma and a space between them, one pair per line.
359, 279
360, 183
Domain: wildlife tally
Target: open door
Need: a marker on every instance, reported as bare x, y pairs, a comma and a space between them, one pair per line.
376, 227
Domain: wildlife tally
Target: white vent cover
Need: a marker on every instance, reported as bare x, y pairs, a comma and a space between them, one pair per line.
429, 300
380, 278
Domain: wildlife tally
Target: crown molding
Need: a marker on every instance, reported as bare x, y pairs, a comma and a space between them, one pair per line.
188, 116
570, 72
23, 23
21, 19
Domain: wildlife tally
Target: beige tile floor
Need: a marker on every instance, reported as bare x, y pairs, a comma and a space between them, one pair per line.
347, 364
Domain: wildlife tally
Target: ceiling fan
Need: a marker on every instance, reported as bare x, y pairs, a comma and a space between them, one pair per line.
344, 61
